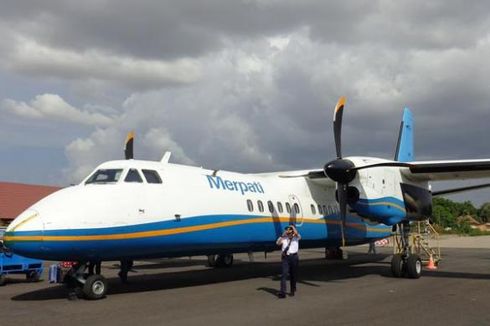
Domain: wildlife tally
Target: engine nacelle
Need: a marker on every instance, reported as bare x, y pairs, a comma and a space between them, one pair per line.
353, 195
382, 195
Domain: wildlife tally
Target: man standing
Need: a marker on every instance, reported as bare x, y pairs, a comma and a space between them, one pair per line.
289, 242
372, 248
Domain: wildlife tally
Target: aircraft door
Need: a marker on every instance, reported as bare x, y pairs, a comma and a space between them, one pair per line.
296, 214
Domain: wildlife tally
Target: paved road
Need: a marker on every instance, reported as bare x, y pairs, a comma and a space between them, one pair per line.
357, 291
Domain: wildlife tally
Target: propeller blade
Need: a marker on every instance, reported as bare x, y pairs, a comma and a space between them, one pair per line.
342, 195
128, 148
337, 125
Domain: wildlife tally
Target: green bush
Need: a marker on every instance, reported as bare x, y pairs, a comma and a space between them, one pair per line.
445, 214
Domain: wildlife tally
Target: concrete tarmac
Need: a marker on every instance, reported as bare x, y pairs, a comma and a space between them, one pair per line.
356, 291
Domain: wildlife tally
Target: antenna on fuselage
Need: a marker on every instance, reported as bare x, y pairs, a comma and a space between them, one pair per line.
166, 157
128, 148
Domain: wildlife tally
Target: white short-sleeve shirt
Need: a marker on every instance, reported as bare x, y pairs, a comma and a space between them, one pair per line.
293, 247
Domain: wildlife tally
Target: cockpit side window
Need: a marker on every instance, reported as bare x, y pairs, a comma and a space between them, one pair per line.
105, 176
152, 176
133, 176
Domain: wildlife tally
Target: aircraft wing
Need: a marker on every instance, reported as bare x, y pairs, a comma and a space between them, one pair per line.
447, 170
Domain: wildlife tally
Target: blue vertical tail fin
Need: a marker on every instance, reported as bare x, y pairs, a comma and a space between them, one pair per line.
404, 147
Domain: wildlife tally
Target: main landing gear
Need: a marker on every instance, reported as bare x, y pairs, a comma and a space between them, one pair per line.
126, 266
220, 260
83, 282
405, 263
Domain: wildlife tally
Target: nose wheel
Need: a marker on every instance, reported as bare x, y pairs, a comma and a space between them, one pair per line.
88, 285
95, 287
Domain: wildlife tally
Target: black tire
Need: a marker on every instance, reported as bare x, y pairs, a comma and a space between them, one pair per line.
414, 266
2, 280
212, 260
224, 260
397, 265
227, 260
33, 276
95, 287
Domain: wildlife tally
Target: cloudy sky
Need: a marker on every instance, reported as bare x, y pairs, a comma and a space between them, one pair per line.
240, 85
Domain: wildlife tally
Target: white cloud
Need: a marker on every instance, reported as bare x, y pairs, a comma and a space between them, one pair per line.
262, 109
33, 58
256, 79
84, 154
53, 107
160, 141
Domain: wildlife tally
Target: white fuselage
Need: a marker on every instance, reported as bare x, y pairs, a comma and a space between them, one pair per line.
192, 211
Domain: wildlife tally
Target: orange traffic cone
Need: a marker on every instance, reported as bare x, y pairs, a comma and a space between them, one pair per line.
431, 263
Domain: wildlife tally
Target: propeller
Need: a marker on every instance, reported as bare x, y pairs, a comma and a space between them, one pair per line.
343, 171
340, 170
128, 148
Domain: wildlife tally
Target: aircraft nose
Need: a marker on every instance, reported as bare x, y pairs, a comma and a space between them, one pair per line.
25, 234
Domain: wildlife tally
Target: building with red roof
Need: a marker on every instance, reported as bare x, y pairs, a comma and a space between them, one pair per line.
17, 197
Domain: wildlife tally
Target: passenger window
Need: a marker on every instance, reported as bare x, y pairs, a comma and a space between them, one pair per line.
250, 205
288, 208
260, 205
133, 176
325, 210
320, 209
271, 206
313, 210
279, 206
152, 176
296, 208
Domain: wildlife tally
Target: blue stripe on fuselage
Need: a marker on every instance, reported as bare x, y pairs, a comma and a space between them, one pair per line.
236, 238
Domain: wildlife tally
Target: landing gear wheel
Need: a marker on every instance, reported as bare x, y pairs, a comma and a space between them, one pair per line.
95, 287
397, 265
224, 260
212, 260
414, 266
33, 276
2, 280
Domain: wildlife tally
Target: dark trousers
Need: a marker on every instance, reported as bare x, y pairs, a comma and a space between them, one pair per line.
289, 266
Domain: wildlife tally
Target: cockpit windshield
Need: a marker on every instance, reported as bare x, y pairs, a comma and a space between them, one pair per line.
105, 176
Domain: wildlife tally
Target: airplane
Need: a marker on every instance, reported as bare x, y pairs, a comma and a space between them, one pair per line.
135, 209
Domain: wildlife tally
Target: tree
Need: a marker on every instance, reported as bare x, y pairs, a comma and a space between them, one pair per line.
442, 211
484, 213
445, 211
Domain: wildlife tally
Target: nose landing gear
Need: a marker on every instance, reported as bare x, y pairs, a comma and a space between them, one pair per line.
95, 287
82, 282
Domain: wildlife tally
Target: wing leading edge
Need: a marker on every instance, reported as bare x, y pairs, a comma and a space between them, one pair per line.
448, 170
